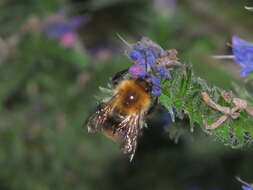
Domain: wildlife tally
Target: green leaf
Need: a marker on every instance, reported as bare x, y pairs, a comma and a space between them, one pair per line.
183, 94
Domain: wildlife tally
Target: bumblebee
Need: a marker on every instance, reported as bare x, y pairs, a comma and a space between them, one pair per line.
122, 117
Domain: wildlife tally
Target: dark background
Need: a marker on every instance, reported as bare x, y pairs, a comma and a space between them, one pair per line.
47, 91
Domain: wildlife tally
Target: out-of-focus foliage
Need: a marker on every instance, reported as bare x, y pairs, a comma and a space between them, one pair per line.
47, 91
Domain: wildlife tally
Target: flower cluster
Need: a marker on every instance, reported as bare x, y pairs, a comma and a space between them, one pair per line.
145, 54
243, 54
246, 188
64, 30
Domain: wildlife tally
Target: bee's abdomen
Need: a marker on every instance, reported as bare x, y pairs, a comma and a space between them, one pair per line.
110, 126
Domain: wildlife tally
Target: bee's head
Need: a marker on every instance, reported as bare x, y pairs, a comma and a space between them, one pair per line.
145, 83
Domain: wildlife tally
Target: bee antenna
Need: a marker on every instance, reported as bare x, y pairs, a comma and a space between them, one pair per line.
123, 40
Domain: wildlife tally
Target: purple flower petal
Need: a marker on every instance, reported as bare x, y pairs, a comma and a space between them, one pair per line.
156, 90
145, 75
150, 57
137, 70
155, 81
138, 47
57, 30
68, 39
162, 72
145, 54
134, 55
245, 71
243, 52
155, 47
247, 188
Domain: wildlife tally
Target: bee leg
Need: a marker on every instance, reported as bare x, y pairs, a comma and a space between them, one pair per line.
118, 77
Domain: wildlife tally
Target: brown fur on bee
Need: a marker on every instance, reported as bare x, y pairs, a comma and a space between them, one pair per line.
131, 97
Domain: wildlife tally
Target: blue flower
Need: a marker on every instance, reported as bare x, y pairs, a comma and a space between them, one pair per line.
162, 72
150, 57
57, 29
159, 52
243, 55
156, 89
135, 55
247, 188
145, 53
137, 70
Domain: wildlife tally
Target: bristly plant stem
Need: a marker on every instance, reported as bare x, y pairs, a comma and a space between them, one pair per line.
183, 94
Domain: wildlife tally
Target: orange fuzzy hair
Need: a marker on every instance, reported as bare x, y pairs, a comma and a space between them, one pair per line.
129, 88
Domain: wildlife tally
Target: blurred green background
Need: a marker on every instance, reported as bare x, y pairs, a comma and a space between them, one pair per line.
48, 89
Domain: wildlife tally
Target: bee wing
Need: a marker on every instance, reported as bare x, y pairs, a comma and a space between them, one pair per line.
129, 131
96, 120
